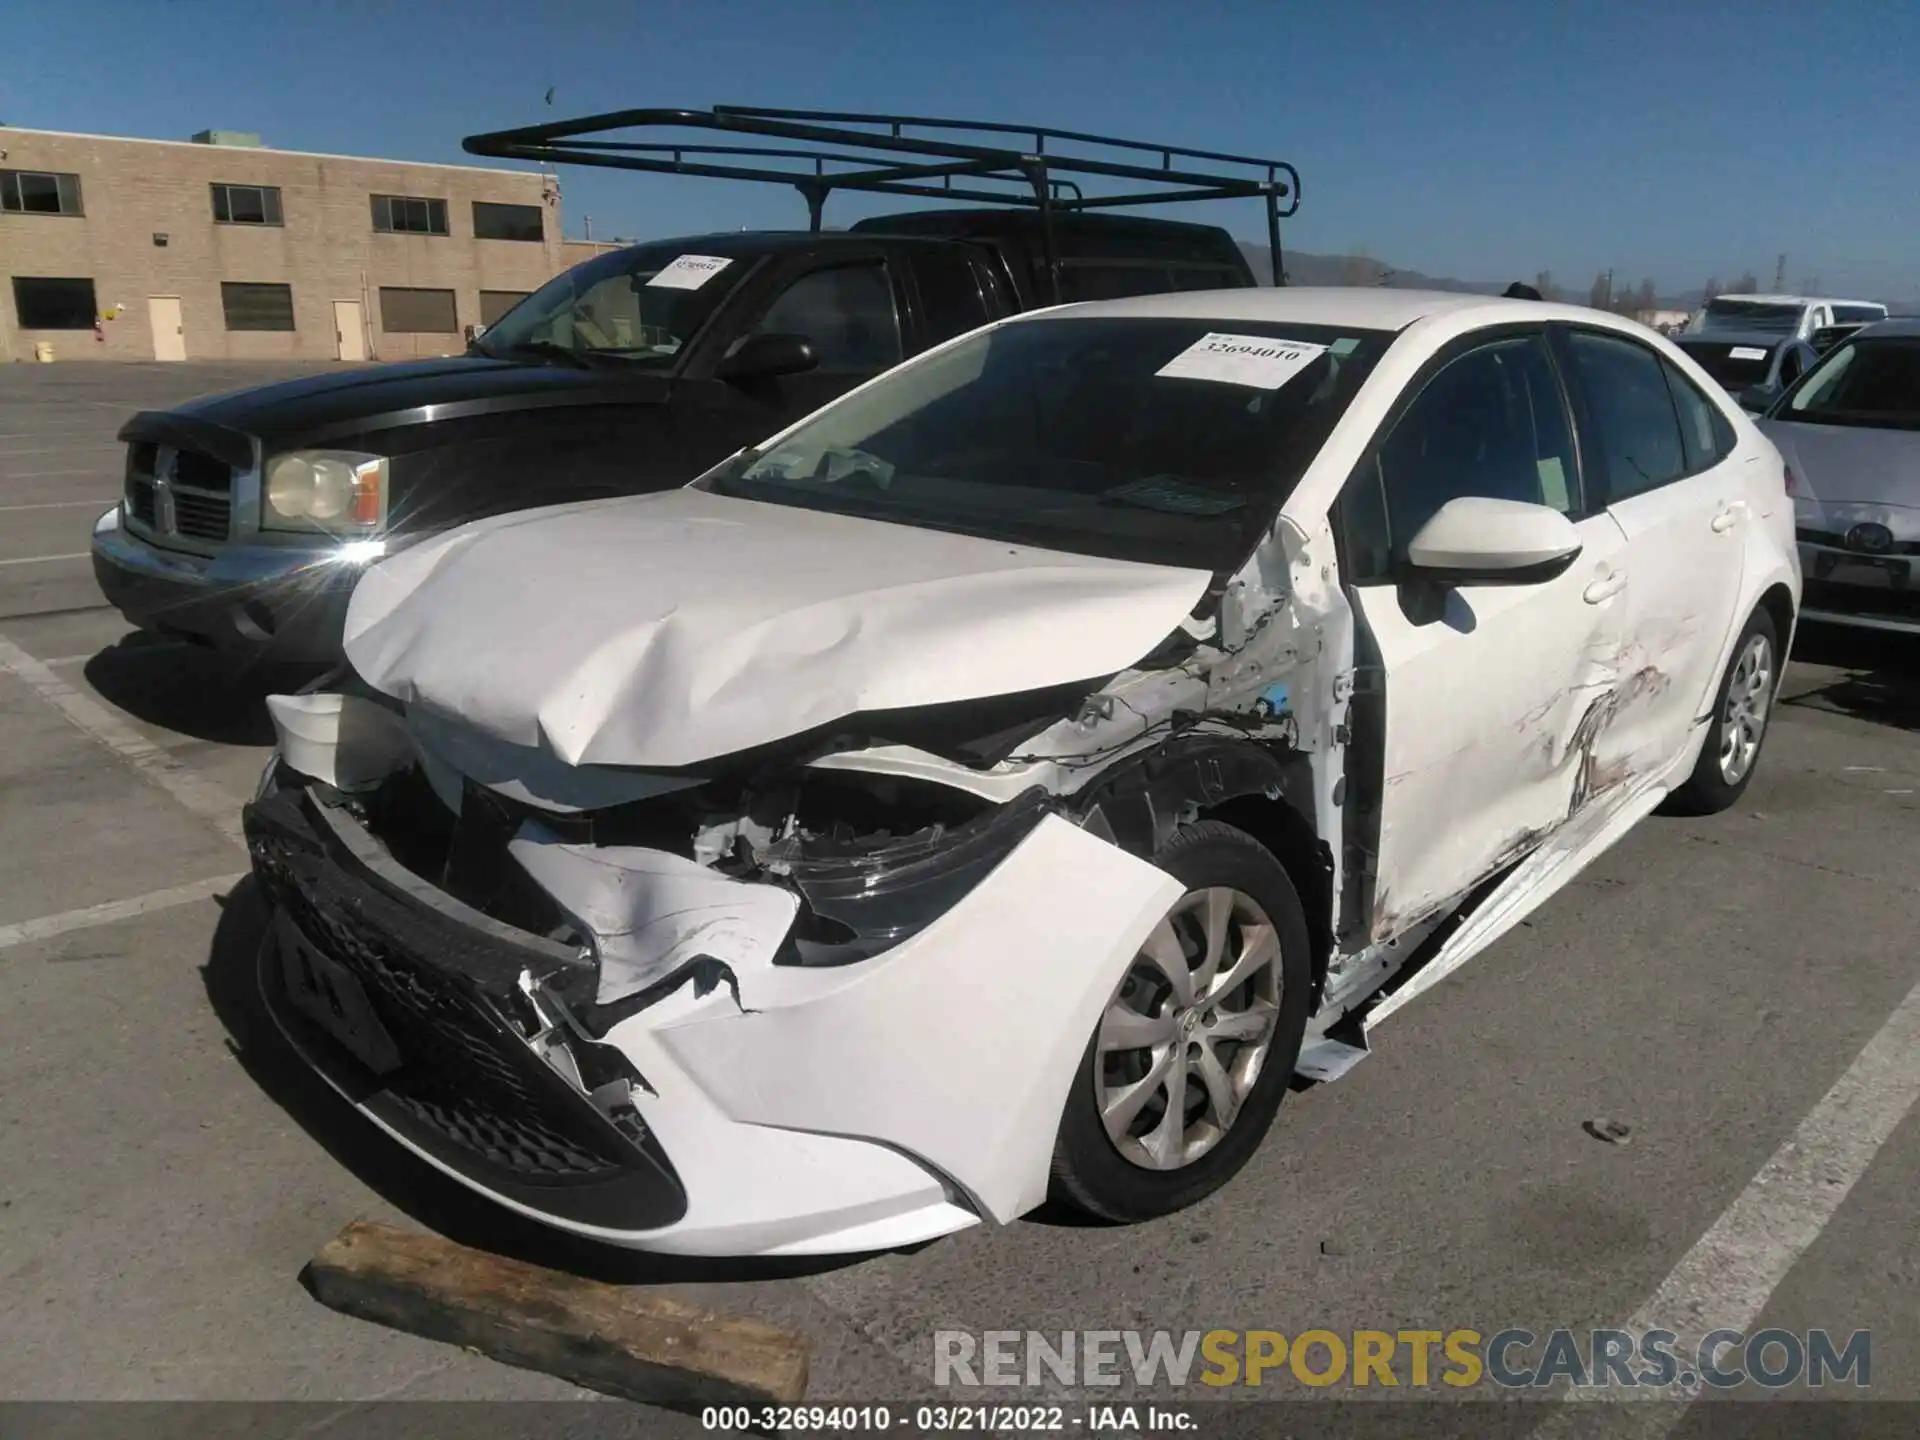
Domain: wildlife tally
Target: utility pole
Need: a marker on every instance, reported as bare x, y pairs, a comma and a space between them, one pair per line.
1609, 304
587, 220
1780, 275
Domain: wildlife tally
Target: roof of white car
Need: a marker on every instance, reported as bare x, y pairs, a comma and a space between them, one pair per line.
1791, 300
1361, 307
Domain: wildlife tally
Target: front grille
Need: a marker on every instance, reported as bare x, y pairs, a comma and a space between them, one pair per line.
1860, 600
203, 517
202, 472
199, 485
467, 1089
1835, 540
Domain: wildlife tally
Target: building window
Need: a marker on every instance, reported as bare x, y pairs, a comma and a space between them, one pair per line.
409, 215
492, 221
496, 303
257, 307
35, 192
247, 204
406, 311
46, 304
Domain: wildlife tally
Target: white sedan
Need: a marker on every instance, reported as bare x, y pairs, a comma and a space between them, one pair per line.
1002, 783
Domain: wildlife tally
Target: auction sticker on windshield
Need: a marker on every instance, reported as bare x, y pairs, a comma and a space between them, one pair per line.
689, 272
1747, 352
1257, 361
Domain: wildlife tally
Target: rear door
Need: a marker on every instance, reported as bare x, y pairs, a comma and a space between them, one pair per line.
1475, 697
1658, 452
953, 293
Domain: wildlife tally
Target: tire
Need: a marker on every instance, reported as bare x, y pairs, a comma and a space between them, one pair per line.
1151, 1171
1744, 698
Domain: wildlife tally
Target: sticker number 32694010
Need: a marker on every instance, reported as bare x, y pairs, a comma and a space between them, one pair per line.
1259, 362
689, 272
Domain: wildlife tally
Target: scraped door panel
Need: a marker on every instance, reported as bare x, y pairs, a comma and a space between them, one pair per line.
1485, 748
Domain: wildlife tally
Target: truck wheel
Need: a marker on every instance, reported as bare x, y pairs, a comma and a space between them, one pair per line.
1193, 1054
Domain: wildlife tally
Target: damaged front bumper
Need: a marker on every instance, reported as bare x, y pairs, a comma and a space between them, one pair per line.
732, 1106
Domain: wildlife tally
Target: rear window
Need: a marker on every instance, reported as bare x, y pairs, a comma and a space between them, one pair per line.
1732, 364
1858, 314
1772, 319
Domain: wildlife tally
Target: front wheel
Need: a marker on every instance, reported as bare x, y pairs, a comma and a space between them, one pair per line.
1193, 1054
1741, 711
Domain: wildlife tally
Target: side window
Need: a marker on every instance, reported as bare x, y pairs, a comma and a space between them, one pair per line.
950, 299
1491, 423
848, 314
1627, 397
1704, 431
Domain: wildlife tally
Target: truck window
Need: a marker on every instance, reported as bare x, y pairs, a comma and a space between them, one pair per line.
950, 300
848, 314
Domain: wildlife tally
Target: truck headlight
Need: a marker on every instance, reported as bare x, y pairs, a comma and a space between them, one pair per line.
329, 491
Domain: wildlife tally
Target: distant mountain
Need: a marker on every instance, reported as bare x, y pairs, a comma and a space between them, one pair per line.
1306, 268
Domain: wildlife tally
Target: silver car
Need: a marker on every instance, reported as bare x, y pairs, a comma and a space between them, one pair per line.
1850, 434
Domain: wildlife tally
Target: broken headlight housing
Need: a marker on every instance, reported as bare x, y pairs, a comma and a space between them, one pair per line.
866, 893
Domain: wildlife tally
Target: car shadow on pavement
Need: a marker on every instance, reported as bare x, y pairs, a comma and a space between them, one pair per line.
399, 1177
189, 689
1881, 682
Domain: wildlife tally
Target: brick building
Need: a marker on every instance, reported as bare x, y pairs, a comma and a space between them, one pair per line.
219, 248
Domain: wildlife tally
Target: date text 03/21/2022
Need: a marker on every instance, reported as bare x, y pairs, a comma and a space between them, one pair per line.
945, 1419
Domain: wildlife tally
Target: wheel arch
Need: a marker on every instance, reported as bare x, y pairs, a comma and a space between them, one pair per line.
1265, 790
1777, 601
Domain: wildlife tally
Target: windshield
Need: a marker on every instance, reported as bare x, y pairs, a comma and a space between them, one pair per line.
641, 305
1158, 440
1864, 382
1733, 365
1772, 319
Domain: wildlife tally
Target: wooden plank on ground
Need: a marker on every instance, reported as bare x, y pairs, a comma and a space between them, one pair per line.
616, 1340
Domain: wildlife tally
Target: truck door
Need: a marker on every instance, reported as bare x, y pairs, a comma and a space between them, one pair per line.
850, 311
951, 296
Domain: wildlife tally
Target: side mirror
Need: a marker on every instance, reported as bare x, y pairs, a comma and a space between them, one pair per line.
1475, 540
1757, 398
762, 357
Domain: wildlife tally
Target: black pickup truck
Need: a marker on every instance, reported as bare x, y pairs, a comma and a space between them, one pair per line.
247, 517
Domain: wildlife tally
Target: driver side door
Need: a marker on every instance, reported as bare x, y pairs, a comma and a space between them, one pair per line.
848, 310
1473, 696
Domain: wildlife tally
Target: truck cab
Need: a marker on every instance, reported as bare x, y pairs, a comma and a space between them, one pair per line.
246, 518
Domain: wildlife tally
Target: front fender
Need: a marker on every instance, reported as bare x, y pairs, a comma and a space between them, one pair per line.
958, 1046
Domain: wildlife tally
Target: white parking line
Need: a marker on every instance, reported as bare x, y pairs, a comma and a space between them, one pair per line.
49, 474
204, 799
20, 932
1731, 1272
59, 504
45, 559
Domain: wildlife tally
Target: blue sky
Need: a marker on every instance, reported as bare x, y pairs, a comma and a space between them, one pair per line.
1481, 140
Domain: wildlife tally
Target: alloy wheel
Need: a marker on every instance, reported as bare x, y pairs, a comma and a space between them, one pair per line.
1186, 1034
1743, 722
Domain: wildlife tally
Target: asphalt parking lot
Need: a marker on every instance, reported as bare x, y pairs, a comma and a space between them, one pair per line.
165, 1172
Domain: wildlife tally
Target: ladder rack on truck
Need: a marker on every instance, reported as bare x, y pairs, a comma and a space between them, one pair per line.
876, 154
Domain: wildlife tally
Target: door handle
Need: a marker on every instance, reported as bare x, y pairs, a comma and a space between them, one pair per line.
1605, 588
1727, 518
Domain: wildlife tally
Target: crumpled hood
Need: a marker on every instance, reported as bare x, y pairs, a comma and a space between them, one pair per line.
669, 629
1851, 464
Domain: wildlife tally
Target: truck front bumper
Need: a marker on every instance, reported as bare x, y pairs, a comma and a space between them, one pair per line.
258, 602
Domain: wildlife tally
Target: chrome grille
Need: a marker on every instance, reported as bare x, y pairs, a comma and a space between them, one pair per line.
179, 492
